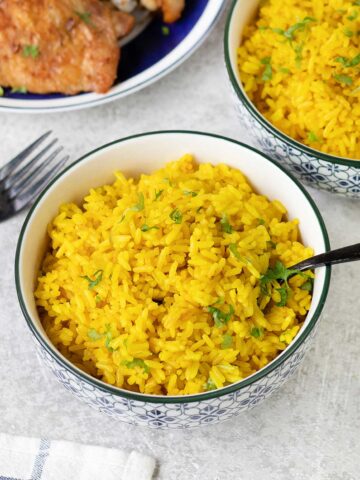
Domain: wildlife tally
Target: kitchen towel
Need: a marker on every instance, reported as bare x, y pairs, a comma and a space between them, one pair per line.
23, 458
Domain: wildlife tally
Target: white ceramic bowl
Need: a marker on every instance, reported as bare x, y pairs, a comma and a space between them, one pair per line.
317, 169
145, 153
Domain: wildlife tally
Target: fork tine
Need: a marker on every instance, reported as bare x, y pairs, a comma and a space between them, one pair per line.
23, 183
9, 167
33, 191
19, 175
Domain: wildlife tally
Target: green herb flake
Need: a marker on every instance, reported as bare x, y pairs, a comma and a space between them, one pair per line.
32, 51
176, 216
210, 385
94, 335
146, 228
346, 62
308, 285
343, 79
284, 293
278, 273
312, 137
94, 282
165, 30
97, 299
158, 194
300, 26
263, 27
189, 193
233, 249
1, 92
357, 2
298, 57
227, 341
140, 205
137, 362
108, 338
225, 225
85, 17
349, 33
267, 73
19, 90
257, 332
284, 70
271, 244
353, 16
261, 221
221, 318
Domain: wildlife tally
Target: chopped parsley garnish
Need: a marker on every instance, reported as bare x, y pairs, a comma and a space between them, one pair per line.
19, 90
267, 73
189, 193
93, 282
108, 338
158, 194
344, 79
353, 16
297, 27
308, 285
94, 335
349, 33
97, 299
31, 51
261, 221
279, 273
225, 225
1, 92
210, 385
146, 228
221, 318
283, 296
165, 30
176, 216
312, 137
233, 249
271, 244
257, 332
346, 62
227, 341
140, 205
85, 17
284, 70
137, 362
298, 57
357, 2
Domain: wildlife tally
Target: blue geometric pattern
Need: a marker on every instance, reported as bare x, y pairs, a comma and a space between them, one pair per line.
317, 173
176, 415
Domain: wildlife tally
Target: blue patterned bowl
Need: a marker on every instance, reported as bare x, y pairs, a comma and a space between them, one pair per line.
142, 154
317, 169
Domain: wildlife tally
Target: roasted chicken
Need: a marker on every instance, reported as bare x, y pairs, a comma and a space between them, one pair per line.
66, 46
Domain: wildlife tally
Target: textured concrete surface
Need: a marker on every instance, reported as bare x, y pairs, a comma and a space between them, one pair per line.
308, 430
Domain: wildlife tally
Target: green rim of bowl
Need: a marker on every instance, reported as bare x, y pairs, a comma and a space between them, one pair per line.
254, 112
50, 349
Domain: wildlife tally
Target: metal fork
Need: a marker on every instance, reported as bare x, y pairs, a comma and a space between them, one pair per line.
23, 178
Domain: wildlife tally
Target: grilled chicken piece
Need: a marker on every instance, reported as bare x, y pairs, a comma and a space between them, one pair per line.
171, 9
60, 46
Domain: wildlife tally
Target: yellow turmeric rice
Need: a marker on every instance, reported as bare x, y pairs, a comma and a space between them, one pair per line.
300, 65
167, 284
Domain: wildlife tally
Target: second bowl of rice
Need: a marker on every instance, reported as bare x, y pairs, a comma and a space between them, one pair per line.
293, 67
153, 276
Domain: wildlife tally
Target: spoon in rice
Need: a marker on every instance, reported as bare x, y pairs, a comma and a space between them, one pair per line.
350, 253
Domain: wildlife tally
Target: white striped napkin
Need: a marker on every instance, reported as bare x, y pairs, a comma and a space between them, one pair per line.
24, 458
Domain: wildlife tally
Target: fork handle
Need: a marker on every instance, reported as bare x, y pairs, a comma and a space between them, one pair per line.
341, 255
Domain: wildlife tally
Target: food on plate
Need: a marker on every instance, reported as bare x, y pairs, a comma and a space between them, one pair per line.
71, 48
299, 64
67, 46
171, 9
174, 283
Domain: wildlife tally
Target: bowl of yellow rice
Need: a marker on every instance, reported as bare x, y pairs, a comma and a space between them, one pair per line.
294, 69
153, 274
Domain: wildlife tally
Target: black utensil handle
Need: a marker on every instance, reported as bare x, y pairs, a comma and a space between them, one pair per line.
341, 255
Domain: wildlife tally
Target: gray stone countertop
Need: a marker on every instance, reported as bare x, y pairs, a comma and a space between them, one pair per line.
310, 429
